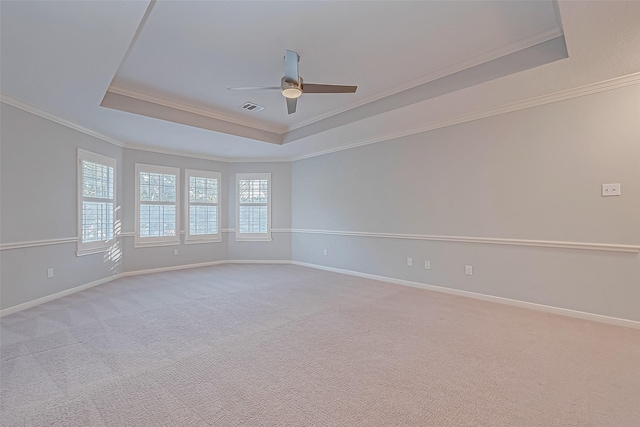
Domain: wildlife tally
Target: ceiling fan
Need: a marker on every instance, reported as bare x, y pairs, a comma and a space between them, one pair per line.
292, 86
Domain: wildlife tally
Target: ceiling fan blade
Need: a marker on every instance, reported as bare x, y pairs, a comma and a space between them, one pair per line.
255, 88
291, 72
315, 88
291, 105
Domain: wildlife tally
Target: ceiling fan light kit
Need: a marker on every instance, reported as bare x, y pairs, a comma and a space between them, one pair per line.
291, 89
291, 85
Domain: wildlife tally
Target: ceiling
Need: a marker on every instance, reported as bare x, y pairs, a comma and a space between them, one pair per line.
155, 74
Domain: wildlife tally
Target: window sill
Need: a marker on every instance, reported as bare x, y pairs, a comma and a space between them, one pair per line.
83, 252
254, 239
154, 244
90, 248
199, 241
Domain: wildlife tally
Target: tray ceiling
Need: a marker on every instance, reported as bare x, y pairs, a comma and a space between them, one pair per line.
163, 67
189, 54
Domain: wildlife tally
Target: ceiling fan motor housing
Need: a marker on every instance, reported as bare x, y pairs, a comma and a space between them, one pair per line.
291, 89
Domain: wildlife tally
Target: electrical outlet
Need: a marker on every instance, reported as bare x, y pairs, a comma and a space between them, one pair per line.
175, 252
610, 190
468, 270
409, 261
427, 265
324, 252
49, 273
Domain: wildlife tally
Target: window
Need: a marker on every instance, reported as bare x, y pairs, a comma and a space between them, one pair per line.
157, 216
96, 197
203, 206
253, 219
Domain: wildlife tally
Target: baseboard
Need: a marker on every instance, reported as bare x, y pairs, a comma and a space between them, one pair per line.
202, 264
484, 297
516, 303
171, 268
252, 261
35, 302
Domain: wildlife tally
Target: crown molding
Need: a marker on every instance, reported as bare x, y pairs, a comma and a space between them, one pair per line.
172, 152
439, 73
589, 89
284, 129
130, 93
193, 155
52, 117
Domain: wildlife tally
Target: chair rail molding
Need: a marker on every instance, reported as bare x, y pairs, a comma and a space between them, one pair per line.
35, 243
610, 247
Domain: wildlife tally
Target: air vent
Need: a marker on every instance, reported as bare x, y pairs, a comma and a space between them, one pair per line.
251, 106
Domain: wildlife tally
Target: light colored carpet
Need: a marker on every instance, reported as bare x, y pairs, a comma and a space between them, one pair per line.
281, 345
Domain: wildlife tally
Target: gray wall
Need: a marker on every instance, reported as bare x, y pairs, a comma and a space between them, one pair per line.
38, 187
532, 174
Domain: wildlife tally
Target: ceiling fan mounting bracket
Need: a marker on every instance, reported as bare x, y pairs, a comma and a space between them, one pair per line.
285, 83
284, 58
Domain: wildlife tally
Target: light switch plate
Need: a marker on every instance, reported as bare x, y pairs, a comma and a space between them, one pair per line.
610, 190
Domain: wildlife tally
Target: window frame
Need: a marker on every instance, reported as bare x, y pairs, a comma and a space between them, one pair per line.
141, 242
201, 238
249, 237
87, 248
